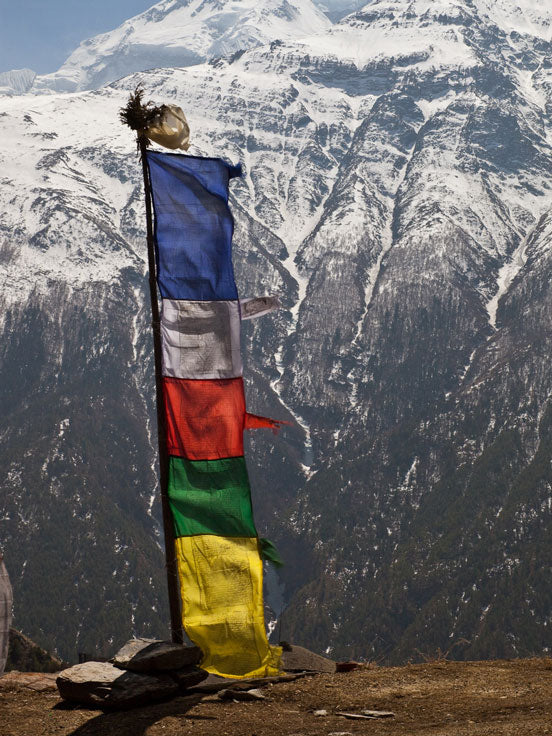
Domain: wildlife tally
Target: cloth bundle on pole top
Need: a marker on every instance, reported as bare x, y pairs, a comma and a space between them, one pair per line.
217, 546
170, 128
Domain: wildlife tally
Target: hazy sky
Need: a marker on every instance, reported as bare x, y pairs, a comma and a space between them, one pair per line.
40, 34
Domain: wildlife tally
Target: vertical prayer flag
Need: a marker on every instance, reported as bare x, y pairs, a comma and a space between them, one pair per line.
217, 546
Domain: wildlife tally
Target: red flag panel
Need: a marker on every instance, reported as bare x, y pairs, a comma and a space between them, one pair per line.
205, 418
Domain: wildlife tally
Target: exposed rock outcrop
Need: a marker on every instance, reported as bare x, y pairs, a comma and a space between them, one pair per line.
26, 656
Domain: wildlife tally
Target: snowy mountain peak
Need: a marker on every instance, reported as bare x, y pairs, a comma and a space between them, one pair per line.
16, 81
178, 33
531, 17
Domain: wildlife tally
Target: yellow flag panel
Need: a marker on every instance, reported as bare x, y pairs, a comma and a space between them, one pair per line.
222, 605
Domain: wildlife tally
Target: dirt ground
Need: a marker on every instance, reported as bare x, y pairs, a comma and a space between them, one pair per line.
437, 699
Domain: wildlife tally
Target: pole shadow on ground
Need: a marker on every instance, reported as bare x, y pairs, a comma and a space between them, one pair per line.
136, 721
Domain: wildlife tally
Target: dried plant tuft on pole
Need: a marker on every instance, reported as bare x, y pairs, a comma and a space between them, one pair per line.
139, 115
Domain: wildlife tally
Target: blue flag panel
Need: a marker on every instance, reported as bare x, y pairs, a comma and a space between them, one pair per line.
193, 226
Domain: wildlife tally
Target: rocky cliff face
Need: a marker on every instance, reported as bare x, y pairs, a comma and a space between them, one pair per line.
397, 197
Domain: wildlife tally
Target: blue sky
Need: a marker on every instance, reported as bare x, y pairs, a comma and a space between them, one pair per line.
40, 34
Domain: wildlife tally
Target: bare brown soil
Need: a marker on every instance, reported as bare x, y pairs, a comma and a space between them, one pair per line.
513, 698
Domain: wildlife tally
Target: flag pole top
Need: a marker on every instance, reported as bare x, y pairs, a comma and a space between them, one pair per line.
139, 115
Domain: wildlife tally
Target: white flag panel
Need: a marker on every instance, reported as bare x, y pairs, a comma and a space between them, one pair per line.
201, 339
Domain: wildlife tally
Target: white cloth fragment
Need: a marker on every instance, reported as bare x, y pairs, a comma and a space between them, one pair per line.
258, 305
201, 340
170, 129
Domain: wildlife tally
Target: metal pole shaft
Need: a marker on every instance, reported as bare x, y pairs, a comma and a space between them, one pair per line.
170, 554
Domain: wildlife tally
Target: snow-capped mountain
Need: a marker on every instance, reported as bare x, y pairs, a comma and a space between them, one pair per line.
526, 17
397, 196
16, 81
177, 33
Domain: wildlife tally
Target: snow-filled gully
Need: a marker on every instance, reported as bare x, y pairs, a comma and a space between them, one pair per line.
506, 275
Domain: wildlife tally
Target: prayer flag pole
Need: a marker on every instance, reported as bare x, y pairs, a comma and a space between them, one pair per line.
201, 408
138, 115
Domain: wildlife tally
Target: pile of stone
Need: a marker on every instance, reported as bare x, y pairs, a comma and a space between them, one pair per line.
146, 670
143, 671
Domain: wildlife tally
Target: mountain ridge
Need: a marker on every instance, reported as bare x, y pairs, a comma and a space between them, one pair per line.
181, 33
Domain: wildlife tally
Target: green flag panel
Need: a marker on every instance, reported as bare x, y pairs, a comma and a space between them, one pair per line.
210, 497
270, 553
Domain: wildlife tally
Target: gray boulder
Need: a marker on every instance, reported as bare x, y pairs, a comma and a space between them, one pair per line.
299, 659
101, 684
150, 655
